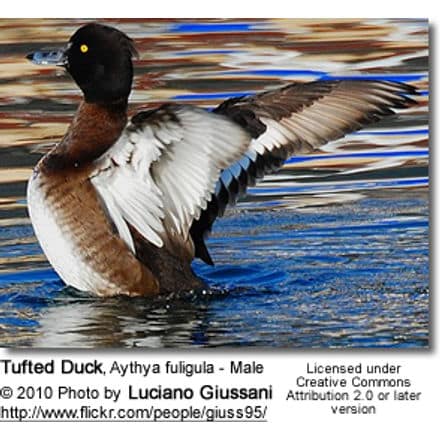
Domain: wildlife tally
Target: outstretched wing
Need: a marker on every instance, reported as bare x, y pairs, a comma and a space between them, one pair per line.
163, 171
295, 119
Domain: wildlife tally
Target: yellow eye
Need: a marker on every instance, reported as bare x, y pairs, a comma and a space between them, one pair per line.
84, 48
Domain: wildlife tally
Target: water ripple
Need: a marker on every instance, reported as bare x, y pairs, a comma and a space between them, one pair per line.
330, 252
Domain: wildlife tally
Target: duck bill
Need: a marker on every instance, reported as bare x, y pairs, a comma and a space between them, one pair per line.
54, 57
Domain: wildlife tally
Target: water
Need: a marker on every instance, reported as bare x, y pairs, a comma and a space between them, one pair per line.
330, 252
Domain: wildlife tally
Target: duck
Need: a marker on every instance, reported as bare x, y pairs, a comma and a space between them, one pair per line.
123, 207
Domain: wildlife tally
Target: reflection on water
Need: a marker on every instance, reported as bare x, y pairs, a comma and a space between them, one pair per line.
332, 251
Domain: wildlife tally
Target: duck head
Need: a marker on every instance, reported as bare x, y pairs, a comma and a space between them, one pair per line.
99, 59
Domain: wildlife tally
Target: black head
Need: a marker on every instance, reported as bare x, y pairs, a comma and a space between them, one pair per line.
99, 58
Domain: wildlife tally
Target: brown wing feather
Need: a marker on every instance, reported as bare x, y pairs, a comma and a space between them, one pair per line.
298, 118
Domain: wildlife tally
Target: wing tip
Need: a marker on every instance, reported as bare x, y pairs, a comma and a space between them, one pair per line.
202, 252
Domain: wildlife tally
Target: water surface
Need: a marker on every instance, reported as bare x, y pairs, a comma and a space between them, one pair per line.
332, 251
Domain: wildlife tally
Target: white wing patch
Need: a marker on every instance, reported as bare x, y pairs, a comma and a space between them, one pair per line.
188, 171
130, 196
162, 171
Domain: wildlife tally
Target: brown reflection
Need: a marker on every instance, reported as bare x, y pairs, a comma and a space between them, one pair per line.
326, 45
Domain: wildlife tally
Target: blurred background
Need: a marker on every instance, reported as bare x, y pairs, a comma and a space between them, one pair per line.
332, 251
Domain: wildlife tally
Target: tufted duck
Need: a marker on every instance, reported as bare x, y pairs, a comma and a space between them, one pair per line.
122, 208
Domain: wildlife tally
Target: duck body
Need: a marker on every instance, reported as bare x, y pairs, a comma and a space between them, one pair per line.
73, 225
68, 217
77, 238
123, 208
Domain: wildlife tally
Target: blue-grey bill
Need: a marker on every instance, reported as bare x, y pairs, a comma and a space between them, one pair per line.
55, 57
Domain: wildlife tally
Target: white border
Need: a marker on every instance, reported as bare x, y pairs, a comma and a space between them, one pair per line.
223, 8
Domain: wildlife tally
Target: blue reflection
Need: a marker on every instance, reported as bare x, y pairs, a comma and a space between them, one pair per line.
422, 152
183, 28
